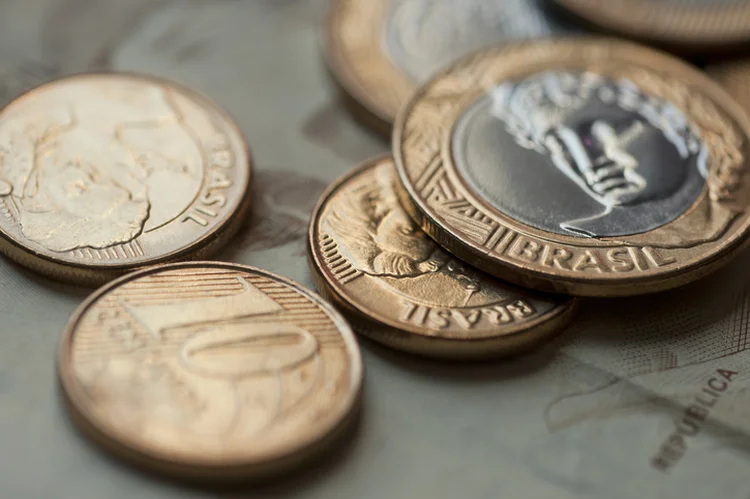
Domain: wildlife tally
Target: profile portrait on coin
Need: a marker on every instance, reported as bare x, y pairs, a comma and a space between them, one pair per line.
582, 155
100, 174
377, 237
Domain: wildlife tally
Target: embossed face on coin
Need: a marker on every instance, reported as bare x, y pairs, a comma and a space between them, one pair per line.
692, 25
381, 51
403, 290
209, 370
102, 173
587, 166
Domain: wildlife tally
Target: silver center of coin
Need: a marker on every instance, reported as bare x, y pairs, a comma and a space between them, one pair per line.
579, 154
422, 36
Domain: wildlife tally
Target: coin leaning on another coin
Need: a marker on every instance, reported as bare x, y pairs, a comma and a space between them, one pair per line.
398, 287
586, 166
104, 173
379, 52
210, 371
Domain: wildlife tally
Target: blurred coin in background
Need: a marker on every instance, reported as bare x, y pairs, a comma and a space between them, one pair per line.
381, 51
210, 371
398, 287
589, 166
692, 26
102, 173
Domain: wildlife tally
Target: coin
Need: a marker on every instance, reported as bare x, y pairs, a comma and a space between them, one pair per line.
696, 25
103, 173
398, 287
210, 370
587, 166
380, 51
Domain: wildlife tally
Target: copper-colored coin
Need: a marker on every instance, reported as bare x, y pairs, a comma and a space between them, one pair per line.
587, 166
210, 370
695, 25
104, 173
400, 288
380, 51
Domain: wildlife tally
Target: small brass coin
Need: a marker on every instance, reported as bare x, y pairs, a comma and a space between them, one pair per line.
104, 173
398, 287
210, 371
380, 51
586, 166
687, 25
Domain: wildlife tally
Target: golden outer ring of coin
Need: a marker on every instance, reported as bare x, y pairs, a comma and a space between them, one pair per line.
92, 275
374, 89
209, 470
468, 79
692, 27
410, 338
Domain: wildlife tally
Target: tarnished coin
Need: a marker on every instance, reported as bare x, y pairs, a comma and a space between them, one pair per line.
587, 166
381, 51
210, 371
400, 288
695, 25
104, 173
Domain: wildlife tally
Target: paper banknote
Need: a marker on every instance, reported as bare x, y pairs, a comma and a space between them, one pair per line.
644, 397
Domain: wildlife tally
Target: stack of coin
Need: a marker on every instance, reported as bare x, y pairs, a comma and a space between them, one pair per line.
577, 165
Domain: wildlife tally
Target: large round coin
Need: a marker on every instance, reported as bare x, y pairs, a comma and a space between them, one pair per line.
587, 166
104, 173
400, 288
380, 51
695, 25
210, 370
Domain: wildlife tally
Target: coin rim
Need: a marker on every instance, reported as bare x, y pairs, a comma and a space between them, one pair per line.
365, 106
531, 277
203, 247
409, 338
716, 21
130, 449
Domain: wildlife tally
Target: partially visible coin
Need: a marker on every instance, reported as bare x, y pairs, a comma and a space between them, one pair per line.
210, 371
381, 51
400, 288
695, 25
587, 166
104, 173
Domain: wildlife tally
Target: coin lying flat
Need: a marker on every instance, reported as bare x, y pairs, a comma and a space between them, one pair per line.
400, 288
587, 166
104, 173
209, 370
380, 51
689, 24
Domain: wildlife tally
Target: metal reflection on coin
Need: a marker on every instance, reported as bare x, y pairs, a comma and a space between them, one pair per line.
380, 51
104, 173
209, 370
401, 289
585, 166
694, 25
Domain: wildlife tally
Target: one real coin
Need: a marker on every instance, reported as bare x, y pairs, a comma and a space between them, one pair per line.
380, 52
103, 173
210, 371
587, 166
398, 287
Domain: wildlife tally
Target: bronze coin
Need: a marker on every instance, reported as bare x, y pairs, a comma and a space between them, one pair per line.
104, 173
381, 51
398, 287
210, 371
588, 166
694, 25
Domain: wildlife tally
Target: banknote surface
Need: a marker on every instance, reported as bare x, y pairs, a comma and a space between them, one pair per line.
642, 397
